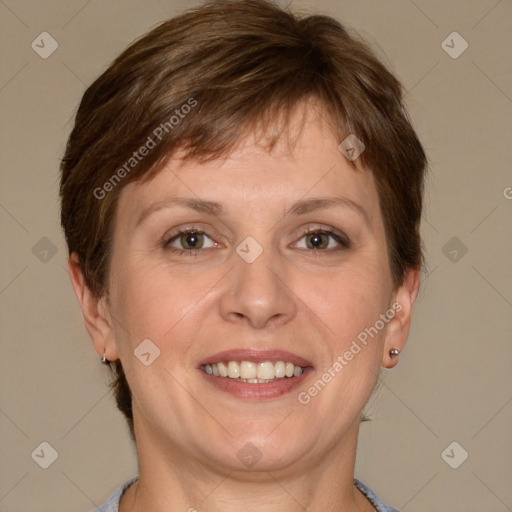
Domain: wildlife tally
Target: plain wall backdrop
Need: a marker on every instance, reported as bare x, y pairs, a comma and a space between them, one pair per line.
453, 383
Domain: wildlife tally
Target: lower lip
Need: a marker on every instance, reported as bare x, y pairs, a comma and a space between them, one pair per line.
250, 391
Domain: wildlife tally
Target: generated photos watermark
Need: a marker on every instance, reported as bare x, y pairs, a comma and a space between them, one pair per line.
342, 360
150, 143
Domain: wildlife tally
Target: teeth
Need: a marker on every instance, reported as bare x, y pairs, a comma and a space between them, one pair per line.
253, 373
233, 370
257, 381
280, 369
223, 371
248, 370
266, 370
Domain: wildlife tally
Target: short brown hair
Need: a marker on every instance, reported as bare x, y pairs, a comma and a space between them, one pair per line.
237, 66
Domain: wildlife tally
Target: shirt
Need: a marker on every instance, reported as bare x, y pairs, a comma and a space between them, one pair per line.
112, 504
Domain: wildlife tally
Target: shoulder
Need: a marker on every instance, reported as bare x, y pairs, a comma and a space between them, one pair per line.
372, 497
112, 503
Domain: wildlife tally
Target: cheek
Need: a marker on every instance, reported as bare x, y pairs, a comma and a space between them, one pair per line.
348, 299
349, 308
153, 301
153, 304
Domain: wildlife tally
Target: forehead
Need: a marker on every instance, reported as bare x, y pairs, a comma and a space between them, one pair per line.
305, 162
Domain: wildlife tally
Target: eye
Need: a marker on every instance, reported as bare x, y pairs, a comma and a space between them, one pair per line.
190, 241
321, 238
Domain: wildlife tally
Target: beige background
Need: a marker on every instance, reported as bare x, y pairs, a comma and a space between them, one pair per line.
454, 381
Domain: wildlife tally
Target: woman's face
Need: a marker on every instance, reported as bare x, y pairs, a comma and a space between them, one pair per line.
251, 281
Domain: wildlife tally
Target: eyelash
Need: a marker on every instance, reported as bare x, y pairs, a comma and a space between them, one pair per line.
340, 238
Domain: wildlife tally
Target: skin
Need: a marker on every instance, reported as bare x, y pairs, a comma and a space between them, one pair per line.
313, 302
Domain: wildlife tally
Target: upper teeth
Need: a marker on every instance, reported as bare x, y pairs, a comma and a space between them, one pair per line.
247, 370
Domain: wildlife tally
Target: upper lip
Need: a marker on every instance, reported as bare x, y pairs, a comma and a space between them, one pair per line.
256, 356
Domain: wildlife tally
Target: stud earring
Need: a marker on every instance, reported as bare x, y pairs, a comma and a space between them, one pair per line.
394, 352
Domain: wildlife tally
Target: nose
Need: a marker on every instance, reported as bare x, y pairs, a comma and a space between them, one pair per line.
258, 293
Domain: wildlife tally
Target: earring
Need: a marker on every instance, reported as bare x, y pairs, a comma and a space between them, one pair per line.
104, 359
394, 352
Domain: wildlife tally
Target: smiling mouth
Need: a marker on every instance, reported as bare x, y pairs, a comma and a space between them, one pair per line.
251, 372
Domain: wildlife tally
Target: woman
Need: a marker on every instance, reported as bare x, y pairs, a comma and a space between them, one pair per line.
241, 198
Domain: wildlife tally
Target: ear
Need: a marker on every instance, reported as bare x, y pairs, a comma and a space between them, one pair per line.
94, 311
398, 327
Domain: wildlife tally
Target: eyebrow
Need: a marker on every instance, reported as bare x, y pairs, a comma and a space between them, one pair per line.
300, 207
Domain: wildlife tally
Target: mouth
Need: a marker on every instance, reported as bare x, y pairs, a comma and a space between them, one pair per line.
255, 374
